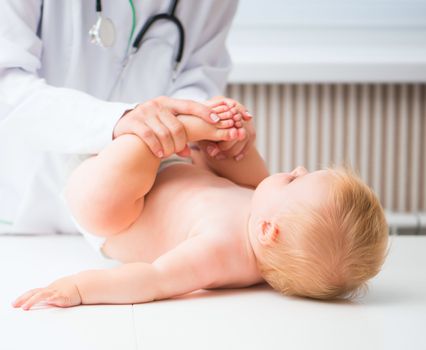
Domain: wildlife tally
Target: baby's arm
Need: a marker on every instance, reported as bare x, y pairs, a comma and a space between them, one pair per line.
249, 171
194, 264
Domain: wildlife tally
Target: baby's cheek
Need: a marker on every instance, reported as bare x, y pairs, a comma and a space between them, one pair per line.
260, 203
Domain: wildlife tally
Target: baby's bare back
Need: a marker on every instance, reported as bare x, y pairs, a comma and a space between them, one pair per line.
186, 200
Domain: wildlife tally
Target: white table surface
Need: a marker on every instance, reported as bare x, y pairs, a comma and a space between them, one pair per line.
391, 316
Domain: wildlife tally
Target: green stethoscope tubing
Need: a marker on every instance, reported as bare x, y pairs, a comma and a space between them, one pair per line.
133, 24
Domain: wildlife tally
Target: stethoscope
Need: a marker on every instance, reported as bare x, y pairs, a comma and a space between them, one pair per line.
103, 32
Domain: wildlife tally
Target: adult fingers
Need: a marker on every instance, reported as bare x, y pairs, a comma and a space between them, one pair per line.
220, 108
177, 106
176, 130
162, 134
186, 152
230, 102
149, 137
215, 103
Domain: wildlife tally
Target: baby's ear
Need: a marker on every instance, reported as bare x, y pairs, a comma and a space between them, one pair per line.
268, 233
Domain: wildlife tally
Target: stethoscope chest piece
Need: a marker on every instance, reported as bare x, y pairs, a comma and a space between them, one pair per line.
103, 32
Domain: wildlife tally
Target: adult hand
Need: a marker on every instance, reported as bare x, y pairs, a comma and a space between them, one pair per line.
156, 124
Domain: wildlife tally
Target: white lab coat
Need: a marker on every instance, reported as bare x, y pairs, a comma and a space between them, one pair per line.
61, 96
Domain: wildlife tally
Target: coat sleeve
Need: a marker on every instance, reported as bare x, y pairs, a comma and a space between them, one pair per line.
45, 117
207, 68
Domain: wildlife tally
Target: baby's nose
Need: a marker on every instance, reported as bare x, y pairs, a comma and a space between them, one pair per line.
299, 171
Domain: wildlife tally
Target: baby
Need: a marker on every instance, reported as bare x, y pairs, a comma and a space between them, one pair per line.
217, 224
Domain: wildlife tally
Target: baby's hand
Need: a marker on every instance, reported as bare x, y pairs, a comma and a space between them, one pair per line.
230, 107
227, 108
63, 293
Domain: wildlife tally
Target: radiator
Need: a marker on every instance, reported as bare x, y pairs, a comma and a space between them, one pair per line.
379, 130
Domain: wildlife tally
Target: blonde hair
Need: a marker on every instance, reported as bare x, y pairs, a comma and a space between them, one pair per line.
330, 251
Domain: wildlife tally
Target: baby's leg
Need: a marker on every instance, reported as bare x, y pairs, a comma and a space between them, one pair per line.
106, 192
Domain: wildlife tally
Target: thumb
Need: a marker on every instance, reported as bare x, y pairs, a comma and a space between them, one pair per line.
58, 300
209, 148
186, 152
189, 107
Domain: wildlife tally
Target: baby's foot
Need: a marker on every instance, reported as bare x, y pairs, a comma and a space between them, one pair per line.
197, 129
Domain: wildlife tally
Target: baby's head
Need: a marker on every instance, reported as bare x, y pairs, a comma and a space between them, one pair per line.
320, 235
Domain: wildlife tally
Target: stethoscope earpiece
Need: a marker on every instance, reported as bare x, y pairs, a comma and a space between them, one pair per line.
103, 32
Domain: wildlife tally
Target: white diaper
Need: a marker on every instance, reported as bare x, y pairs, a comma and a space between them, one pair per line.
173, 159
97, 242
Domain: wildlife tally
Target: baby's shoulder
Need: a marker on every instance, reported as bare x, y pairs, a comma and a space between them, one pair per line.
239, 268
227, 237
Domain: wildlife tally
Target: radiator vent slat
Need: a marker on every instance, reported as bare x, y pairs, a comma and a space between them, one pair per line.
378, 129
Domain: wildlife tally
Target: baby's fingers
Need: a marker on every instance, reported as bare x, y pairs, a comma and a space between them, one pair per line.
234, 105
242, 134
226, 134
24, 297
225, 124
247, 116
36, 298
231, 113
